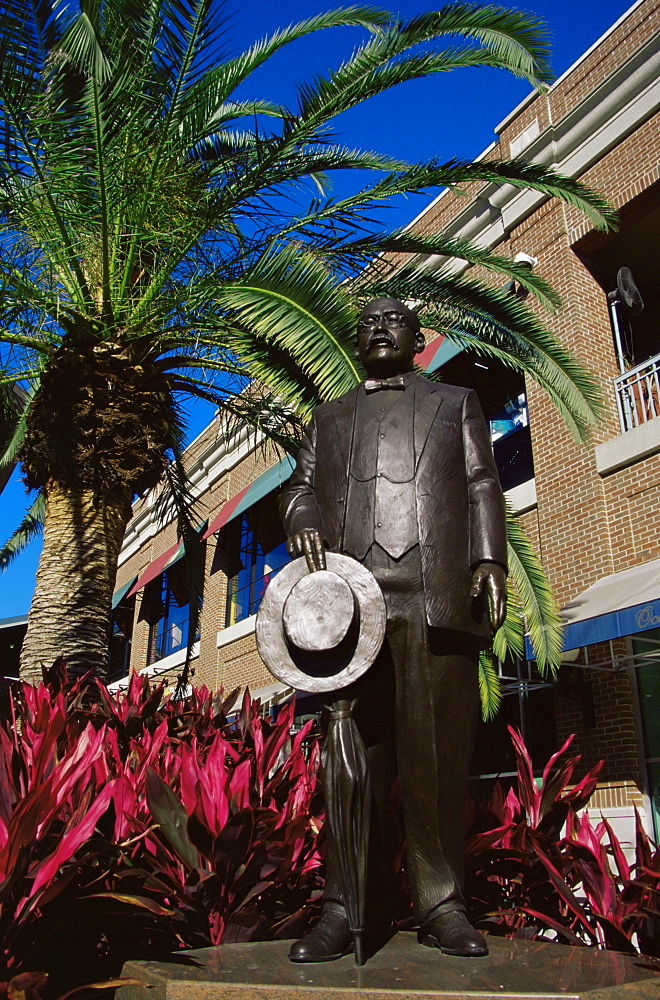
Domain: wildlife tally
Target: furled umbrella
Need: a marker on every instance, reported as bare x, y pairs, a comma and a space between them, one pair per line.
347, 792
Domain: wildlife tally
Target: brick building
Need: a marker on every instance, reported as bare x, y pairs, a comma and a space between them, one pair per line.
591, 511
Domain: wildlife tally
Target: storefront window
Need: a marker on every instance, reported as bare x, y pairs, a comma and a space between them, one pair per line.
257, 547
646, 645
528, 705
120, 640
165, 606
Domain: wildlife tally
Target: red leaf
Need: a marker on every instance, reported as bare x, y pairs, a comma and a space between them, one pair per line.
566, 932
26, 985
529, 792
171, 817
622, 865
565, 892
72, 840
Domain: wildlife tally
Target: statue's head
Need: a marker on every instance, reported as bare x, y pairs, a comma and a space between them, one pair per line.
388, 338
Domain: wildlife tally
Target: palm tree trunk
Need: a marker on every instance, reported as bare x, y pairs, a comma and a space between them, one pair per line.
70, 611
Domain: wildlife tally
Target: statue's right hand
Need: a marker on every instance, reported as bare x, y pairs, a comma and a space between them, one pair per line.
308, 543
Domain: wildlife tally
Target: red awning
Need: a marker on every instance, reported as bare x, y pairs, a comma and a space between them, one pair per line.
155, 568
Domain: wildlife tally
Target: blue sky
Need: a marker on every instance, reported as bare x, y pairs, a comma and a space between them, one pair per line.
449, 115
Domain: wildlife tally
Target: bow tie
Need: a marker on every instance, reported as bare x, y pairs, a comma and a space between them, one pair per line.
375, 384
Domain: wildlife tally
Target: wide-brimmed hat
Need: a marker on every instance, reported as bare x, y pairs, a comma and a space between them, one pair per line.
320, 631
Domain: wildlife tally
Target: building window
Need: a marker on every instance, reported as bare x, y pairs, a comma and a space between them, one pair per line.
165, 607
501, 392
120, 640
512, 444
646, 647
255, 549
635, 247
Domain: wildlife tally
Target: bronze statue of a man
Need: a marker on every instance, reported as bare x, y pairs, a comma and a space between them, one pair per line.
399, 473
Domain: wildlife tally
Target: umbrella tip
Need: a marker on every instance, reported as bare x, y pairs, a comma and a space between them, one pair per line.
360, 958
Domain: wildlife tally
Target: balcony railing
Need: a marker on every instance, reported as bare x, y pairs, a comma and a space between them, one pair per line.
638, 394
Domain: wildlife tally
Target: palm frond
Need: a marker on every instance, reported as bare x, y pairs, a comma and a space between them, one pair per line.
14, 405
289, 300
29, 528
537, 601
494, 324
490, 687
460, 250
519, 39
216, 87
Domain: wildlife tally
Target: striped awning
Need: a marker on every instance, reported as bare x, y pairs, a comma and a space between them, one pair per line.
437, 353
158, 566
258, 488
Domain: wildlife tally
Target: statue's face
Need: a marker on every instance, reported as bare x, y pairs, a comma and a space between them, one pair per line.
388, 338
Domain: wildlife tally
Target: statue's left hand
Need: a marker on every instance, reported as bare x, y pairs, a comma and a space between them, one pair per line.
308, 543
491, 577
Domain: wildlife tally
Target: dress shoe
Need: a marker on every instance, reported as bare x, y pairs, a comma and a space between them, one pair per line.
453, 934
329, 939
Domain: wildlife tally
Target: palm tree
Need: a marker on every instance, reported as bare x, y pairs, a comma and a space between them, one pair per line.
162, 238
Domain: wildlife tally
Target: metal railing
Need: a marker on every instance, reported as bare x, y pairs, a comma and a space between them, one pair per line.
638, 394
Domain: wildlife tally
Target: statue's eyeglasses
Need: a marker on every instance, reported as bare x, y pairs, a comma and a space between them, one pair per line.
394, 319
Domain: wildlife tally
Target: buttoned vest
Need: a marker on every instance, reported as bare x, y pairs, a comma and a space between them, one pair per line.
381, 503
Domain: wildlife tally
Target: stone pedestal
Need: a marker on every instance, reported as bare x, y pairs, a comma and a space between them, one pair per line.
402, 970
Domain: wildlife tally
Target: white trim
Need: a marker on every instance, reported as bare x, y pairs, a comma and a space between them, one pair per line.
13, 622
238, 630
567, 72
169, 662
622, 102
522, 498
216, 460
270, 695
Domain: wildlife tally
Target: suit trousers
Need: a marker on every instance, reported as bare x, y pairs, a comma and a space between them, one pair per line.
417, 709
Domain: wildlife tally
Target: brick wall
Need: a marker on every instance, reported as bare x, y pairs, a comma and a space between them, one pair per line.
241, 665
597, 705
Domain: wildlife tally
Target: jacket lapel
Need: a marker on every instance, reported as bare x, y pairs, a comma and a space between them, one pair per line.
428, 401
344, 415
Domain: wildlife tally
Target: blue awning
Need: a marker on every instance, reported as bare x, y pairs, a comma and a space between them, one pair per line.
617, 605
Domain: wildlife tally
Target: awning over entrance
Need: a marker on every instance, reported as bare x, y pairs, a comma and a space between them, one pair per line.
158, 566
258, 488
617, 605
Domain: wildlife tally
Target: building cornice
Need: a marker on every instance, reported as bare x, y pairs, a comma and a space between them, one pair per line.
526, 101
615, 108
218, 458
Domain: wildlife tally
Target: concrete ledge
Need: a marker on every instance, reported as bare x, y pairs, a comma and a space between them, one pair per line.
238, 631
521, 498
632, 446
402, 970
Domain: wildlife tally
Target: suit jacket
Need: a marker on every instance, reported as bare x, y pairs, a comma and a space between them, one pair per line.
460, 506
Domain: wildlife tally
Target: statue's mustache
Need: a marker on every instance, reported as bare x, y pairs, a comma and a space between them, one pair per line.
381, 335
